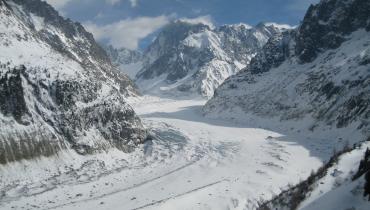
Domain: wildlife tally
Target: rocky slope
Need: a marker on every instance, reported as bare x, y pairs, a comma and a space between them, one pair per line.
317, 75
193, 58
58, 88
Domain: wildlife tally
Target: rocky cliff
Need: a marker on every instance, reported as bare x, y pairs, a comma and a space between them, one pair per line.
317, 74
58, 88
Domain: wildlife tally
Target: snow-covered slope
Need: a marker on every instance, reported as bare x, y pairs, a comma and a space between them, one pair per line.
128, 61
58, 88
339, 184
193, 58
316, 76
339, 189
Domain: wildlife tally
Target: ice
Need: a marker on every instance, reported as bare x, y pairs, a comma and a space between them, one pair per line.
193, 163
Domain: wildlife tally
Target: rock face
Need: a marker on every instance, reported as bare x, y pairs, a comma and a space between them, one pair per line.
58, 88
193, 58
326, 25
319, 71
273, 54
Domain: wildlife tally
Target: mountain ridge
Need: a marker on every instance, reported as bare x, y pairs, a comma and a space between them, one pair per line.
188, 58
281, 82
59, 90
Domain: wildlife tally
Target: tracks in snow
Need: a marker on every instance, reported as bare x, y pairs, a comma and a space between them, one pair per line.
182, 194
124, 189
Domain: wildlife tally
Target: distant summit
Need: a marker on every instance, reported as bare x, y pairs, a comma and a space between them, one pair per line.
191, 58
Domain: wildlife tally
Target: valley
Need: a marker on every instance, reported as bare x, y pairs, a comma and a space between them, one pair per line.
192, 163
183, 112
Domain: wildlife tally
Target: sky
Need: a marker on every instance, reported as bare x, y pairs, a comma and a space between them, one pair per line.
133, 24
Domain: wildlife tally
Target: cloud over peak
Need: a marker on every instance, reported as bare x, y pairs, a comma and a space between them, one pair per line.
206, 20
128, 32
113, 2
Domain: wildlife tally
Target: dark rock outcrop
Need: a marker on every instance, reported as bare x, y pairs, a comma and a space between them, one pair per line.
11, 92
326, 25
273, 54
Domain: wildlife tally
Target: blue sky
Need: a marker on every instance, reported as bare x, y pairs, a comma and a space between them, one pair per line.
133, 23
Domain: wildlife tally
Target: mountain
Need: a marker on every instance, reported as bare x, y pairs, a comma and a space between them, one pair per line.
128, 61
316, 76
58, 88
188, 58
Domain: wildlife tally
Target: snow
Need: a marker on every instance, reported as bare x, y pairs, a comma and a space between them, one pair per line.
344, 197
207, 58
336, 190
202, 40
258, 95
38, 22
206, 40
211, 73
22, 48
239, 25
195, 163
239, 65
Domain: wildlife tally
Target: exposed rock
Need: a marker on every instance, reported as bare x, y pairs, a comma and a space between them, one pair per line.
317, 71
326, 25
193, 58
60, 90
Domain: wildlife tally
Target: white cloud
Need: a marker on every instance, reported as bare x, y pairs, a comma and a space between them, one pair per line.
127, 33
134, 3
58, 4
113, 2
206, 20
99, 15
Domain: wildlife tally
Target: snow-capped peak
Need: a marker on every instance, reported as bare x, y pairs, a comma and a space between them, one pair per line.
194, 58
238, 25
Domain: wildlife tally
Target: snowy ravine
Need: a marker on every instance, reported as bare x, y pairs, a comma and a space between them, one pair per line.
192, 163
